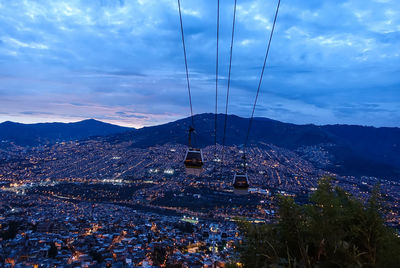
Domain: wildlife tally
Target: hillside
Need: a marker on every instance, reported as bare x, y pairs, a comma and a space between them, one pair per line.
44, 133
343, 149
351, 150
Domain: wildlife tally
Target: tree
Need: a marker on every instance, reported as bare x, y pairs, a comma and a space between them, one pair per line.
12, 230
52, 253
96, 256
159, 255
185, 227
334, 230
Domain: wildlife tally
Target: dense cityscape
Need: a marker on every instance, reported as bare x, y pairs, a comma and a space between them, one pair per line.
209, 134
93, 202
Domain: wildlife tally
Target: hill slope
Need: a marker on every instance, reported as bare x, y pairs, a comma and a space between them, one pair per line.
43, 133
344, 149
352, 150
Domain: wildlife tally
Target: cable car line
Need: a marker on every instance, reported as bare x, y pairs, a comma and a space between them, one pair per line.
216, 88
229, 81
186, 66
194, 159
241, 179
262, 74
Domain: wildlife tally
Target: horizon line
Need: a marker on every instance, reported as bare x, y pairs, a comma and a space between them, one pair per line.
120, 124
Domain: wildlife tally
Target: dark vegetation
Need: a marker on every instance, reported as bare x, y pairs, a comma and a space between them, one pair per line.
52, 253
91, 192
96, 256
10, 230
100, 193
333, 230
160, 254
185, 227
203, 199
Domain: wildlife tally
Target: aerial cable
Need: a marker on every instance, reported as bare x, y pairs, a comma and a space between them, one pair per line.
191, 129
194, 157
260, 82
216, 87
229, 80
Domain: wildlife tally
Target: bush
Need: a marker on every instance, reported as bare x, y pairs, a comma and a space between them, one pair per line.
333, 230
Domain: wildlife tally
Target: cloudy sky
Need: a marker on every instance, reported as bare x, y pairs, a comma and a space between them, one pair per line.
121, 61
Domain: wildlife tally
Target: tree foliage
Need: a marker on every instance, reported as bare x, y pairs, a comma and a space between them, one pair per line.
97, 256
52, 253
334, 230
11, 231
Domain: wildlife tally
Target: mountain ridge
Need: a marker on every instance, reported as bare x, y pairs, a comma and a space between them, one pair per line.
47, 133
349, 149
355, 150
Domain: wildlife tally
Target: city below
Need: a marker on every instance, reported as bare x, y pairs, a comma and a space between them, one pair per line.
100, 202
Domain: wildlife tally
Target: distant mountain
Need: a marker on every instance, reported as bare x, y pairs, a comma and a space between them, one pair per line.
351, 150
44, 133
343, 149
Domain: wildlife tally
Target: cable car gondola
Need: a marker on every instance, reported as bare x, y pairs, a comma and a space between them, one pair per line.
194, 160
240, 183
241, 179
194, 157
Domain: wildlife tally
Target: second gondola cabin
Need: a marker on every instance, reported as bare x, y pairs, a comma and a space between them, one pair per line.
240, 183
194, 161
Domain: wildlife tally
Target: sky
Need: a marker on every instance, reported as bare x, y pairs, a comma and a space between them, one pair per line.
121, 61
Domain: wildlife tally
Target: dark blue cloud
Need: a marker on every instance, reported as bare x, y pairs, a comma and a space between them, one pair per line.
332, 61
